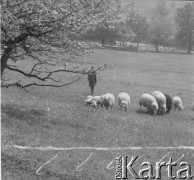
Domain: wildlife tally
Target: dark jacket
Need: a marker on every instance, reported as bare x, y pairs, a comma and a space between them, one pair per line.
92, 78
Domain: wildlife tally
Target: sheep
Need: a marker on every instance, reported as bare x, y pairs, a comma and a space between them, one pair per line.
148, 101
124, 100
94, 103
108, 100
98, 100
177, 103
161, 100
168, 103
88, 101
89, 97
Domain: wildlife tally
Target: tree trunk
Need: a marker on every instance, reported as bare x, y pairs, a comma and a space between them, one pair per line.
138, 46
5, 58
189, 44
156, 45
123, 43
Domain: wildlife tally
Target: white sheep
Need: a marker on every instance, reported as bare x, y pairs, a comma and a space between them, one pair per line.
88, 101
94, 104
177, 103
124, 100
108, 100
149, 101
89, 97
98, 100
161, 100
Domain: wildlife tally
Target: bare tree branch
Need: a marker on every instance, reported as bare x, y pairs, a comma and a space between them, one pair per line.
19, 85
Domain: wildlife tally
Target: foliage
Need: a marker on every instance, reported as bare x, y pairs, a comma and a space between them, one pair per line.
104, 34
139, 26
185, 26
40, 29
113, 27
160, 29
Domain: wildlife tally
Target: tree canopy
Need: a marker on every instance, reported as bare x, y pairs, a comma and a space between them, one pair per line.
40, 29
160, 26
185, 23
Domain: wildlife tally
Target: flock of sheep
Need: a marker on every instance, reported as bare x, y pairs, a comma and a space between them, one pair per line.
156, 103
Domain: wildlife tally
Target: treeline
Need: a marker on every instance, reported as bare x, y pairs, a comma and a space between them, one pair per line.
168, 26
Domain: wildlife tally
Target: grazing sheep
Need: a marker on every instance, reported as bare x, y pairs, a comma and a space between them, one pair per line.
177, 103
94, 103
88, 101
161, 100
89, 97
149, 101
124, 100
168, 103
108, 100
98, 100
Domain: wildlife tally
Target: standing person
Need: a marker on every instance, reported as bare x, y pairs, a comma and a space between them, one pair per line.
92, 79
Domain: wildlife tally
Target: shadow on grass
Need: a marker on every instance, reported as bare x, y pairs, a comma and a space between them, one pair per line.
31, 116
140, 111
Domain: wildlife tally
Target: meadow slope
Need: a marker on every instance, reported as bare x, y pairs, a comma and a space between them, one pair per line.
57, 117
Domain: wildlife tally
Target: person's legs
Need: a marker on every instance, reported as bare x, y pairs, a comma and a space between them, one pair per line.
92, 90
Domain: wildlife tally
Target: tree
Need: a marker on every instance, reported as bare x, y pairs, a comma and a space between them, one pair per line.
138, 26
160, 29
124, 33
38, 30
112, 28
185, 29
105, 34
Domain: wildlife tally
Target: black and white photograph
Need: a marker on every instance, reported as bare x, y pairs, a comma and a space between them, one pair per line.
97, 89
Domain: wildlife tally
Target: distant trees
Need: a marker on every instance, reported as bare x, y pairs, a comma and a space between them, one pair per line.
138, 25
104, 34
113, 27
160, 29
185, 26
168, 26
124, 33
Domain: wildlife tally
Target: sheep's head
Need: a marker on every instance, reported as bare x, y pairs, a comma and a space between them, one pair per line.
123, 106
163, 110
103, 99
87, 102
180, 108
93, 104
154, 108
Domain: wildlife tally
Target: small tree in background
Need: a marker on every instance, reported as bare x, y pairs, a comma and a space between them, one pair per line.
160, 28
185, 26
103, 34
124, 33
138, 25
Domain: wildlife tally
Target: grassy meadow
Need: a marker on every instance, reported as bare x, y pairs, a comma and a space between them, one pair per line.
57, 117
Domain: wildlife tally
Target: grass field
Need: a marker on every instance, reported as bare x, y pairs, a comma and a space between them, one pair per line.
57, 117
